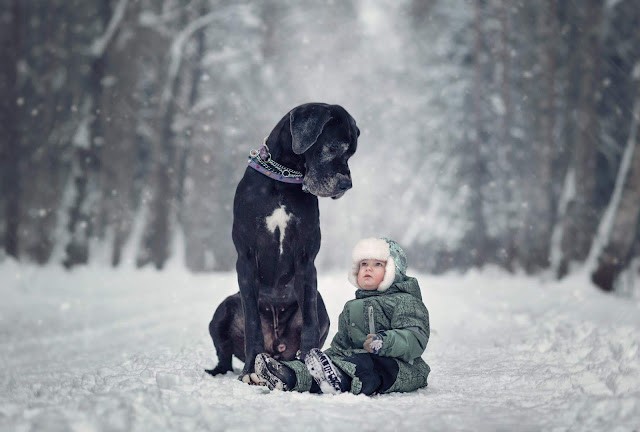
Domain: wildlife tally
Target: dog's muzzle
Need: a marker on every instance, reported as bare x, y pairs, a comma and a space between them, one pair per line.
343, 185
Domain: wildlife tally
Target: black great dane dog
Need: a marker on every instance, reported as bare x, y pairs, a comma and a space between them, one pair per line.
276, 232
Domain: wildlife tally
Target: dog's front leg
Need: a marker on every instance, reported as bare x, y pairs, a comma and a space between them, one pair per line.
307, 298
253, 339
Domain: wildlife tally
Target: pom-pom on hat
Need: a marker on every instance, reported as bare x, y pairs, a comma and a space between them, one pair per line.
382, 249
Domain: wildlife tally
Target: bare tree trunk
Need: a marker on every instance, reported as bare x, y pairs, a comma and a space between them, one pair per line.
505, 87
120, 109
540, 215
506, 143
580, 221
619, 227
84, 215
10, 148
157, 237
196, 158
476, 166
42, 113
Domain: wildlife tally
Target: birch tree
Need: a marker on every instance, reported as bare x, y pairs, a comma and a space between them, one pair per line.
618, 229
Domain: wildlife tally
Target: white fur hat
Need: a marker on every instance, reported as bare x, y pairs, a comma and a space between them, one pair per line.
380, 249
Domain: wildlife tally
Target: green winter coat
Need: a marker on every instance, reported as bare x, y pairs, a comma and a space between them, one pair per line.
400, 317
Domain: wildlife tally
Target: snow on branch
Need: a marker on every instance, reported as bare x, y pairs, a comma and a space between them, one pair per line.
100, 45
177, 48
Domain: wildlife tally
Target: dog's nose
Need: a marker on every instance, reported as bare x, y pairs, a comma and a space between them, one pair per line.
345, 184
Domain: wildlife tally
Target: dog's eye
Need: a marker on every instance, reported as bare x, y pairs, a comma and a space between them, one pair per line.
337, 148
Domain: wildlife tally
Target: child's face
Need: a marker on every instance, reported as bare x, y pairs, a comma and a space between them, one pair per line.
370, 274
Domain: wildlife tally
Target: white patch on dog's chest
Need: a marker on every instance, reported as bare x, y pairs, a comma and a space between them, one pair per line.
278, 219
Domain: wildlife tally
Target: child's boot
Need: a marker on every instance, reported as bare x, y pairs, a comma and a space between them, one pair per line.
274, 374
330, 379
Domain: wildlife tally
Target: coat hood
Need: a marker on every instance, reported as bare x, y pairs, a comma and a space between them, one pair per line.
382, 249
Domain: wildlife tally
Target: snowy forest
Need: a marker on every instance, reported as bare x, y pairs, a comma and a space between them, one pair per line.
499, 147
494, 132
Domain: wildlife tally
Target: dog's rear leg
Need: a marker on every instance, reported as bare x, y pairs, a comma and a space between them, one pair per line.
219, 329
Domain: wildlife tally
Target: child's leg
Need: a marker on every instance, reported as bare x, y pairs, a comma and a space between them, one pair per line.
366, 373
376, 373
387, 369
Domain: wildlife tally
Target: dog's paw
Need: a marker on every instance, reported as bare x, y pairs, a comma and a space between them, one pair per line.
217, 371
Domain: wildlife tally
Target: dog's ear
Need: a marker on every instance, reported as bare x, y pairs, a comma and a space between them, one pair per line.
307, 122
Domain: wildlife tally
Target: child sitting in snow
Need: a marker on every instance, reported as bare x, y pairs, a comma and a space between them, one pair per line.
381, 336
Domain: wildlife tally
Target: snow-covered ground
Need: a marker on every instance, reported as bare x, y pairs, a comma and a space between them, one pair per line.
98, 350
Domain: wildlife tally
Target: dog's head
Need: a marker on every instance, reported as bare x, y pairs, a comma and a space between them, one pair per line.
326, 136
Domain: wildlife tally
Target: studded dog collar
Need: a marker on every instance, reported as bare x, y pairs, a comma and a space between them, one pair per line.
260, 160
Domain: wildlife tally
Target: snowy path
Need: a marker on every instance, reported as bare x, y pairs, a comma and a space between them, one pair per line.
94, 350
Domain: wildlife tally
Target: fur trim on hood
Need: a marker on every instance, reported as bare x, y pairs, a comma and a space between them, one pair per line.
382, 249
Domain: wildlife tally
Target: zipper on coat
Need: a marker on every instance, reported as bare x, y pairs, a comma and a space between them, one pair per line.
372, 324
